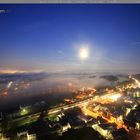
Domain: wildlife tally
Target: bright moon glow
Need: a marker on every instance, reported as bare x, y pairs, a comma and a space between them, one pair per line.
84, 53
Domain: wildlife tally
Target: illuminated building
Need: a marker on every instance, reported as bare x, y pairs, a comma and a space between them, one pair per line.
3, 137
137, 126
105, 133
66, 127
26, 135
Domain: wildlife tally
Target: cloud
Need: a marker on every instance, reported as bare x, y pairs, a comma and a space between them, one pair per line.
60, 51
3, 11
137, 43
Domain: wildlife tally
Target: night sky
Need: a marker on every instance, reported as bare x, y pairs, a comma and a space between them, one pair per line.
44, 37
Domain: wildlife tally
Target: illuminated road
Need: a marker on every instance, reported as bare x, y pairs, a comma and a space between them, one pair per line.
81, 104
22, 120
33, 117
136, 81
66, 107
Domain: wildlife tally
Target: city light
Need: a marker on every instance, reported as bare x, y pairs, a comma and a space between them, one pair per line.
115, 97
108, 106
69, 72
24, 111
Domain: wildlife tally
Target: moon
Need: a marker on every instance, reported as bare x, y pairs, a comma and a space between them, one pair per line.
84, 53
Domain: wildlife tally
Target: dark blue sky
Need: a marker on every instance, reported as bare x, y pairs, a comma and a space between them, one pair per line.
48, 37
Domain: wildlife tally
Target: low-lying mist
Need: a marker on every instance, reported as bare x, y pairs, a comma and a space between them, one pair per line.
51, 88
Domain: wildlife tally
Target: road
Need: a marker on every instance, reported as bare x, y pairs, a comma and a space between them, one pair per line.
20, 121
